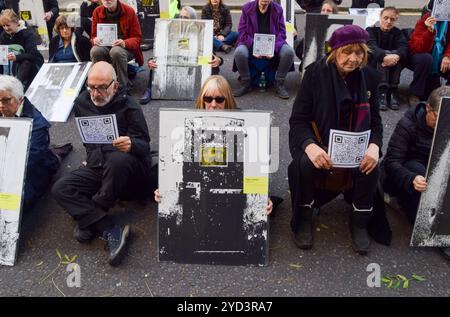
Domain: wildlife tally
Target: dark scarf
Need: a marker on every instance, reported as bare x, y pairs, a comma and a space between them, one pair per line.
352, 90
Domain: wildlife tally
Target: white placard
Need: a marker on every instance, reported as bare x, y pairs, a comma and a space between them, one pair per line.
3, 54
372, 15
264, 44
106, 33
98, 129
441, 10
347, 149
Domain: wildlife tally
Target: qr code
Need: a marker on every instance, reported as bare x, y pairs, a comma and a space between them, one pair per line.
348, 149
100, 130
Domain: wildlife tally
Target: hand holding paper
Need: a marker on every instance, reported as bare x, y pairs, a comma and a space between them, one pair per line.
123, 144
370, 159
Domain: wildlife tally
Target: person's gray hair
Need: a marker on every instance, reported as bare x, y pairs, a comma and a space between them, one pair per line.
11, 84
190, 11
436, 95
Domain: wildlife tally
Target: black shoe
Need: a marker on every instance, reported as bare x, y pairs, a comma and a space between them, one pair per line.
303, 234
83, 235
243, 88
445, 252
281, 89
116, 238
226, 48
61, 150
393, 102
383, 101
358, 229
146, 96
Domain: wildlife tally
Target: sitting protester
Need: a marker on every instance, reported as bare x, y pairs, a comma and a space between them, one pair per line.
408, 152
51, 13
86, 10
224, 38
336, 92
43, 162
429, 47
389, 51
22, 43
120, 170
315, 6
67, 46
266, 17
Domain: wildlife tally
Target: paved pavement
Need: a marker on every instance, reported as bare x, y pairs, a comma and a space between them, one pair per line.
330, 269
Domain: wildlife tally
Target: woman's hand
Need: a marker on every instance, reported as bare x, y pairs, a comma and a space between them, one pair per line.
420, 183
152, 64
215, 61
370, 159
430, 22
445, 64
318, 157
157, 196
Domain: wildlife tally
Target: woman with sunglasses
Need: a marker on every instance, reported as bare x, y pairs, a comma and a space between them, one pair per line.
215, 94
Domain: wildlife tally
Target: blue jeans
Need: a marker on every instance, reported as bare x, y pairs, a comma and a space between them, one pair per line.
230, 39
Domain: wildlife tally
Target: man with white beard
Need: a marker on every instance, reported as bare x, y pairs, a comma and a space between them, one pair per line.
117, 171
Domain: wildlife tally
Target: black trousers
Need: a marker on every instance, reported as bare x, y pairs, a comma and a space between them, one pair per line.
302, 175
390, 76
407, 199
25, 71
87, 193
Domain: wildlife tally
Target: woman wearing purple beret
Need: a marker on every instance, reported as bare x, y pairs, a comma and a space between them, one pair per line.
336, 93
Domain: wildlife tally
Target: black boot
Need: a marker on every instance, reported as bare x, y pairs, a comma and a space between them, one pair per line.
358, 228
383, 100
281, 89
244, 87
83, 235
303, 231
393, 100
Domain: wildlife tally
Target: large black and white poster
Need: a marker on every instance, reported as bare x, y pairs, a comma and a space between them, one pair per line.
441, 10
14, 142
183, 50
319, 28
432, 226
213, 172
32, 12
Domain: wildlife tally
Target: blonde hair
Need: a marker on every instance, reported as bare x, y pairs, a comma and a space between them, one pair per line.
332, 4
221, 84
360, 46
8, 16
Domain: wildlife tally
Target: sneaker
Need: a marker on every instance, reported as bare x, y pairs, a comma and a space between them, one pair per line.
281, 89
116, 238
83, 235
146, 96
243, 88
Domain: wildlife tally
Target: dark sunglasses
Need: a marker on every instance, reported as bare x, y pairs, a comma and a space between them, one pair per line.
209, 99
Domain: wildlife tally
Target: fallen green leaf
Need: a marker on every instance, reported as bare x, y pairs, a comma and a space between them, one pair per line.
406, 284
418, 278
66, 257
403, 278
58, 254
40, 263
296, 266
74, 258
390, 284
385, 279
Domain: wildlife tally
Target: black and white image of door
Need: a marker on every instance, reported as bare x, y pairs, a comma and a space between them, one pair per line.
319, 28
14, 142
182, 50
432, 226
214, 194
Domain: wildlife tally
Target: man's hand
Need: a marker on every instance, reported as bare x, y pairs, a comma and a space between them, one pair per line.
152, 64
318, 156
119, 42
370, 159
215, 61
123, 144
96, 41
220, 37
157, 196
11, 57
430, 22
390, 60
420, 183
445, 64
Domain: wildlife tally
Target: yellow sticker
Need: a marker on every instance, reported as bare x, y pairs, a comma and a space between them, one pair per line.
203, 60
42, 31
69, 92
9, 202
256, 185
289, 28
164, 15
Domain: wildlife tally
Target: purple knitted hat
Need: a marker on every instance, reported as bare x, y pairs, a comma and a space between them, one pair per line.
348, 34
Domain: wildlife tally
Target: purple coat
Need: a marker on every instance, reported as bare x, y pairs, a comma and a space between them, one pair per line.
248, 25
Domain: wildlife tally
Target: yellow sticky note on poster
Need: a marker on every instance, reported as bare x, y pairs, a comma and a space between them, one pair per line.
9, 202
164, 15
42, 31
69, 92
203, 60
289, 28
256, 185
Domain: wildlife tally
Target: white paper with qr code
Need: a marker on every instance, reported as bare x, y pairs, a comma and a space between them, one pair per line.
106, 33
264, 44
347, 149
98, 129
3, 54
